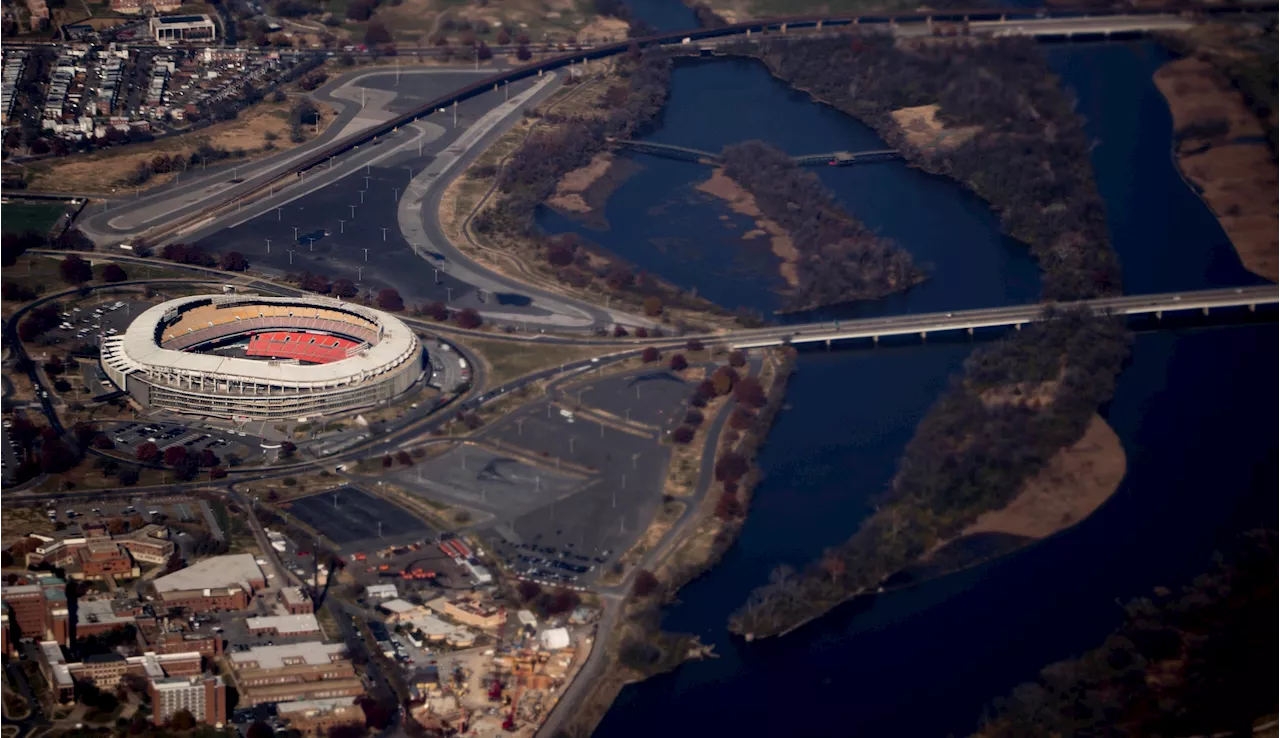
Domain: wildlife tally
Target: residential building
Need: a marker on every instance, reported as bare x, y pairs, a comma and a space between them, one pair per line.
105, 671
317, 717
205, 697
296, 671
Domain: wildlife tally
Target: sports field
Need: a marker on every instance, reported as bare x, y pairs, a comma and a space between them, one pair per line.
20, 217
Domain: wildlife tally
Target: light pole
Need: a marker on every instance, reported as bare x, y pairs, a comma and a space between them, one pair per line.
342, 226
353, 212
366, 253
268, 245
449, 292
361, 197
384, 234
311, 244
396, 195
279, 214
290, 257
295, 233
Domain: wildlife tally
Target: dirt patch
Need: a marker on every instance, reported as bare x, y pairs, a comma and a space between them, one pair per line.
1237, 179
583, 193
924, 131
741, 201
603, 29
106, 170
1024, 394
1075, 482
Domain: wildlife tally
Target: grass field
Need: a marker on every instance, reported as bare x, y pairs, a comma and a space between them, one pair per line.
510, 359
20, 217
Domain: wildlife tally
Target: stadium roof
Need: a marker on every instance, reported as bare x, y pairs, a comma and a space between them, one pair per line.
139, 344
217, 572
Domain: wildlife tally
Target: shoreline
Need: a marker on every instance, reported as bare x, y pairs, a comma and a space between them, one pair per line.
1217, 151
740, 201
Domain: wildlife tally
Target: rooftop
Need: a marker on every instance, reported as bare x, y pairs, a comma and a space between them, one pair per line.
219, 571
314, 706
398, 606
98, 612
286, 624
275, 657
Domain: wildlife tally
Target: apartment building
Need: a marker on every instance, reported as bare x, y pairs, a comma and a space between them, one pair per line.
296, 671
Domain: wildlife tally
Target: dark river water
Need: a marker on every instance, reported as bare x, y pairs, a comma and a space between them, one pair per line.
1195, 408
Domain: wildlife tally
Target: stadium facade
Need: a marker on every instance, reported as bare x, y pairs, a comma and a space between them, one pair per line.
265, 358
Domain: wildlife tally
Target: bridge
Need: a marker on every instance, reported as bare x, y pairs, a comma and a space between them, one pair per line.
1063, 21
1014, 316
684, 153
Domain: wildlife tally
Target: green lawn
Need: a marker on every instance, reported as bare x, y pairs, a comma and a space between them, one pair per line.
20, 217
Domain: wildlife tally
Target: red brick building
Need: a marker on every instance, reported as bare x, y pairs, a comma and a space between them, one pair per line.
296, 601
205, 697
36, 611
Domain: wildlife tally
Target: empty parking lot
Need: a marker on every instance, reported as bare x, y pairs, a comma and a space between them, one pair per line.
348, 515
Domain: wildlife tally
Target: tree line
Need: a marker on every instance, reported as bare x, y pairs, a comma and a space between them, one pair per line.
970, 454
1196, 662
1029, 158
840, 259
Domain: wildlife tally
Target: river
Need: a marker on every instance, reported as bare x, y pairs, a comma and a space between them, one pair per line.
925, 661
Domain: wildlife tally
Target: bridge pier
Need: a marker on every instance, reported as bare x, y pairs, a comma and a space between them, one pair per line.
970, 329
784, 28
1017, 326
875, 340
1159, 314
1204, 310
1253, 308
924, 335
828, 344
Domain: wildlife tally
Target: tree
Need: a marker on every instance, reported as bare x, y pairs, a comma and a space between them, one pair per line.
642, 332
344, 288
728, 507
75, 270
528, 591
737, 359
436, 311
678, 363
468, 318
102, 442
403, 458
503, 38
208, 458
653, 305
741, 418
287, 449
483, 52
723, 380
113, 273
693, 344
259, 729
234, 261
748, 391
694, 418
182, 720
147, 452
523, 53
560, 254
390, 301
646, 583
376, 34
619, 331
730, 467
650, 355
682, 435
175, 455
386, 461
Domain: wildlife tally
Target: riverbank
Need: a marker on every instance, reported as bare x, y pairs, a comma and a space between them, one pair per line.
638, 648
1220, 148
742, 202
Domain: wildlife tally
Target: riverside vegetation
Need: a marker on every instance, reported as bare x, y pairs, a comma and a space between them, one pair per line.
990, 115
838, 259
1199, 662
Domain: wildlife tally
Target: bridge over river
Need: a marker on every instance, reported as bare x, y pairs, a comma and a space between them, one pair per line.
1003, 317
684, 153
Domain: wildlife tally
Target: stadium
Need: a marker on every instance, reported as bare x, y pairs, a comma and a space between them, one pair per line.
245, 357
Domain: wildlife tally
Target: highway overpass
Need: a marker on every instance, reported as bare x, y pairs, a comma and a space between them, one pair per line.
1004, 317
